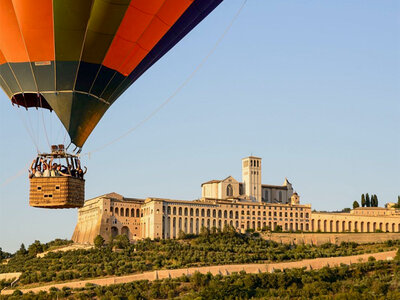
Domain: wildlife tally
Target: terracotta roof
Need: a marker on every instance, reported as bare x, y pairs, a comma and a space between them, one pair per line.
211, 181
280, 187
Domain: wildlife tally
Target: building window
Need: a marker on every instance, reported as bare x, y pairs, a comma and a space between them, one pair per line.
229, 190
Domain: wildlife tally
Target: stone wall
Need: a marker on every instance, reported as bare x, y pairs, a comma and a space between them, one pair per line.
334, 238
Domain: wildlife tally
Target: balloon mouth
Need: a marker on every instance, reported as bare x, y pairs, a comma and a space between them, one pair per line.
31, 100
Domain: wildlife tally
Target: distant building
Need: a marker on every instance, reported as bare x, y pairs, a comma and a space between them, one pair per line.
242, 205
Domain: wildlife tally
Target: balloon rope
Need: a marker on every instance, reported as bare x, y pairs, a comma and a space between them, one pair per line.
45, 130
187, 80
27, 129
12, 178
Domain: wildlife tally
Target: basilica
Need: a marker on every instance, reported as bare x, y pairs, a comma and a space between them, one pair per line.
245, 205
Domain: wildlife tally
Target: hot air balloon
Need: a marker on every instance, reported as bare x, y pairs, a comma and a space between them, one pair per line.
76, 57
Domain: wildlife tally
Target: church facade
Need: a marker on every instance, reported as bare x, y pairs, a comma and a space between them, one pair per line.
246, 205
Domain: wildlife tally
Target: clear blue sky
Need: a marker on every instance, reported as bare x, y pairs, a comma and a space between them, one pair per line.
312, 87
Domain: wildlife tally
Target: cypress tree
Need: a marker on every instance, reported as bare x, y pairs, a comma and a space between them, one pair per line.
363, 200
367, 201
355, 204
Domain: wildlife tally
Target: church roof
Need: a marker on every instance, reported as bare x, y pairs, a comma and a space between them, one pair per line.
211, 181
279, 187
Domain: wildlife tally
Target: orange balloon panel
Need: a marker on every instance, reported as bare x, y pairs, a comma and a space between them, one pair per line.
11, 41
35, 19
143, 26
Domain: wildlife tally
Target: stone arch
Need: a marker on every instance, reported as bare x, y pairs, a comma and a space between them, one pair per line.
319, 225
337, 227
174, 226
349, 226
197, 212
312, 225
236, 215
393, 227
381, 226
169, 210
112, 210
125, 231
229, 190
343, 226
132, 212
331, 226
219, 213
231, 214
219, 224
398, 227
138, 213
237, 225
325, 225
362, 226
180, 211
114, 231
214, 223
202, 212
180, 224
116, 211
208, 224
191, 212
174, 210
356, 226
253, 225
225, 214
127, 212
258, 225
121, 212
185, 211
387, 227
214, 213
191, 225
374, 227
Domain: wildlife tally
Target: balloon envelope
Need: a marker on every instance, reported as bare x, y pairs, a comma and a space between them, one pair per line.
77, 57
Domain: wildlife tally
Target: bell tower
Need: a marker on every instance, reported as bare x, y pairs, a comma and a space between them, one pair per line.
251, 176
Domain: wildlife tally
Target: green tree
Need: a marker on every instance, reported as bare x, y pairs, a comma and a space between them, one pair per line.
4, 255
181, 235
22, 250
376, 201
363, 200
367, 201
355, 204
398, 201
121, 241
98, 241
35, 248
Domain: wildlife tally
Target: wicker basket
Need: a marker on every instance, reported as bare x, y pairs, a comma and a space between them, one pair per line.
57, 192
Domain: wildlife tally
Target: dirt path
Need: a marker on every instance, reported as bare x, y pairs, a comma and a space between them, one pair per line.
316, 263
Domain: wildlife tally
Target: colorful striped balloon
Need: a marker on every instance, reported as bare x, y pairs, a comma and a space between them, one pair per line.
77, 57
